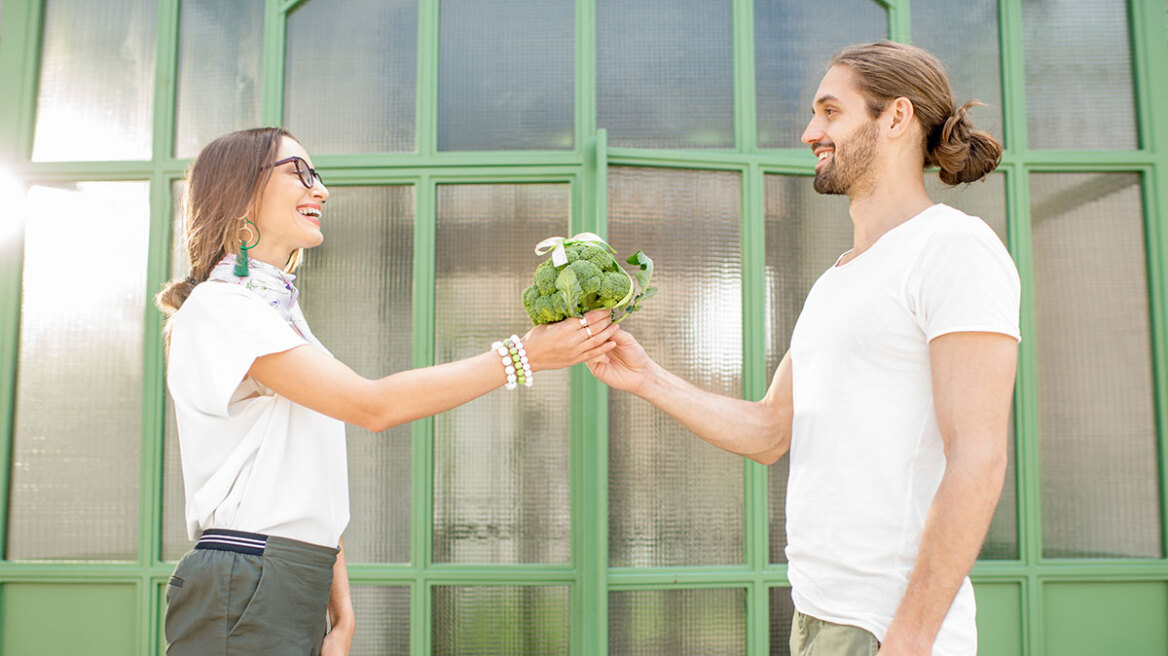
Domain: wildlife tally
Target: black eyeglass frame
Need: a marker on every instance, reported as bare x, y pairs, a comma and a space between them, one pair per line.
308, 175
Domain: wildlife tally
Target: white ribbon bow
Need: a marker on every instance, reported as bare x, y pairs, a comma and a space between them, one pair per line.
556, 246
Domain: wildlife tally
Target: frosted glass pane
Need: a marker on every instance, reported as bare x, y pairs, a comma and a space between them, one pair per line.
671, 622
987, 200
96, 93
782, 612
350, 75
501, 621
805, 233
174, 529
218, 71
501, 461
791, 50
963, 34
506, 75
664, 73
674, 500
383, 615
356, 292
1079, 91
1097, 428
78, 428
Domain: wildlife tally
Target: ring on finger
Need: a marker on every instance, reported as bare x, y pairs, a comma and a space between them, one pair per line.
583, 322
588, 330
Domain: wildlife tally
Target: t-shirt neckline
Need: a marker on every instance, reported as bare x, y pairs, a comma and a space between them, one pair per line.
836, 266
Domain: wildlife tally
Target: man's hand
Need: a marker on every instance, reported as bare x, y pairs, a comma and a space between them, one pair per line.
627, 367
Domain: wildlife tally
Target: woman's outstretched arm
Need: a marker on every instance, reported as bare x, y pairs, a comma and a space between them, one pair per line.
312, 378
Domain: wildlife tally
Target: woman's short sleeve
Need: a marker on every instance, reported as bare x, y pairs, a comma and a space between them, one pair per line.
215, 337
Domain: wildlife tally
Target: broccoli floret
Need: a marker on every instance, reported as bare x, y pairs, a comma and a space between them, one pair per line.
614, 287
587, 275
601, 259
545, 277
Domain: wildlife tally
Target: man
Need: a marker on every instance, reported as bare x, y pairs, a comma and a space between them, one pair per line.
894, 396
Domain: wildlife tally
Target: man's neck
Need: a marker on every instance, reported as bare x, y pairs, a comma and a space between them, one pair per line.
889, 203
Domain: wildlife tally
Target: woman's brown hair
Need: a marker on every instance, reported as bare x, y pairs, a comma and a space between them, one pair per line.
889, 70
224, 185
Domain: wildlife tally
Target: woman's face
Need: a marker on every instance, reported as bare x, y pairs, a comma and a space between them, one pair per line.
290, 213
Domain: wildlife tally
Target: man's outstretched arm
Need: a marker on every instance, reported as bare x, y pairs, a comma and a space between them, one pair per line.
758, 430
973, 383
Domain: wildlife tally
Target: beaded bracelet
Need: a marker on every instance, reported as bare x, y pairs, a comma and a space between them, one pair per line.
515, 363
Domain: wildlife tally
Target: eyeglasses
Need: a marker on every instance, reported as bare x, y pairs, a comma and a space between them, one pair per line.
308, 175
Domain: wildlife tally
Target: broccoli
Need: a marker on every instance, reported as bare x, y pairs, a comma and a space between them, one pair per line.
590, 280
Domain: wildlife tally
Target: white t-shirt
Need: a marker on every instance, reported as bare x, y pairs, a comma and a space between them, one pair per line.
252, 460
866, 452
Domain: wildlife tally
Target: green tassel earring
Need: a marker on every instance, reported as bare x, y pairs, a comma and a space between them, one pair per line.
241, 261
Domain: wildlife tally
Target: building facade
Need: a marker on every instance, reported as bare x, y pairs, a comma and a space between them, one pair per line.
453, 136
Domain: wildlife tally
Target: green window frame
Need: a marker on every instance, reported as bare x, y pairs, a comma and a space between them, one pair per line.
1021, 593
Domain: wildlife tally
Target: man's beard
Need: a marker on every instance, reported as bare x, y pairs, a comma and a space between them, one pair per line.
850, 161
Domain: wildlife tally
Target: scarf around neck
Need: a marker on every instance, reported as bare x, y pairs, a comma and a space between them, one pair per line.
271, 284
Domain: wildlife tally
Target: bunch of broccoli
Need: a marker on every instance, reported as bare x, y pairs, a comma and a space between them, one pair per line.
590, 280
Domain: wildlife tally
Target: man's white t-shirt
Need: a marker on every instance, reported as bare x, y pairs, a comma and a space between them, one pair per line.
866, 451
252, 460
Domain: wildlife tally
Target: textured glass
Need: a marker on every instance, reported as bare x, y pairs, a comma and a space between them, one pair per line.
383, 615
356, 292
805, 233
670, 622
1079, 92
350, 75
988, 200
664, 73
963, 34
501, 621
78, 428
174, 528
506, 75
218, 71
675, 500
1097, 428
782, 611
96, 94
500, 462
792, 47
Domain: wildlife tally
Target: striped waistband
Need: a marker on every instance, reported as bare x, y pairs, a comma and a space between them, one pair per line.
223, 539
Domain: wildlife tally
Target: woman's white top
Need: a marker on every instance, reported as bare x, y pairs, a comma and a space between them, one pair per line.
252, 460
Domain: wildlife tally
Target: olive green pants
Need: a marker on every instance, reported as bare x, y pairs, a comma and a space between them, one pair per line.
815, 637
223, 603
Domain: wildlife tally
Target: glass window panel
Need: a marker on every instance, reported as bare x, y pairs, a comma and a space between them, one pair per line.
350, 75
78, 428
963, 34
96, 95
1079, 91
506, 76
219, 56
675, 500
356, 292
670, 622
664, 73
501, 462
383, 613
174, 524
500, 621
805, 233
987, 200
1097, 428
782, 612
791, 52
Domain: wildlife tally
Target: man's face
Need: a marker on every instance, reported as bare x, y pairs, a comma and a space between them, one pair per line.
842, 135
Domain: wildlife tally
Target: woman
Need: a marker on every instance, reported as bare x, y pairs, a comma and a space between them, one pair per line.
261, 407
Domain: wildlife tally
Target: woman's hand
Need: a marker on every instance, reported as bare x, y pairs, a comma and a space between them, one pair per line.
563, 344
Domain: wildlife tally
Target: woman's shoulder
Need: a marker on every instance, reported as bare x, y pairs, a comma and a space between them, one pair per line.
213, 297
